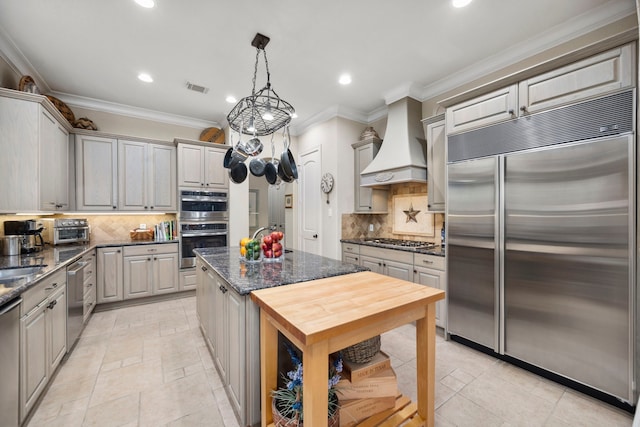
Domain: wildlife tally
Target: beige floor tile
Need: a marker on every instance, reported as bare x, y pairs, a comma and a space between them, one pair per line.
399, 346
117, 383
171, 401
462, 412
578, 409
79, 368
73, 419
228, 416
115, 412
209, 416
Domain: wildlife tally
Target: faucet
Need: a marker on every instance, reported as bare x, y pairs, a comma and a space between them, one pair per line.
257, 231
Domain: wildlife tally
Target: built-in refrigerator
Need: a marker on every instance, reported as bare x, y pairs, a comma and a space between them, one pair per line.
541, 251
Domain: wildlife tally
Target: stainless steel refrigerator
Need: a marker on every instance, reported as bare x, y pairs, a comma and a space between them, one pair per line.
541, 216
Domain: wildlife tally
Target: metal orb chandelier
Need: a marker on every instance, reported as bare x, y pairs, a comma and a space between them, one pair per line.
263, 112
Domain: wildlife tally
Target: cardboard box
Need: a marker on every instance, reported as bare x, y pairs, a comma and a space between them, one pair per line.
354, 411
358, 371
382, 384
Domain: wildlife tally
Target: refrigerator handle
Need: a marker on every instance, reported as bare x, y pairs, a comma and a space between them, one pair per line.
499, 254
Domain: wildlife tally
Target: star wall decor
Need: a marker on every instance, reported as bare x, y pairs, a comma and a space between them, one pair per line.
411, 214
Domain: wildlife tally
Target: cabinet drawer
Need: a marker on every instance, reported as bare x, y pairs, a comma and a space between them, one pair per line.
351, 248
41, 291
494, 107
166, 248
387, 254
429, 261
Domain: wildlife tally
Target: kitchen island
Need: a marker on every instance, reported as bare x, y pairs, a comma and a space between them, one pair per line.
230, 321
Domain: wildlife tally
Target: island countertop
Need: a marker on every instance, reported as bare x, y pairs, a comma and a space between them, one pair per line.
297, 266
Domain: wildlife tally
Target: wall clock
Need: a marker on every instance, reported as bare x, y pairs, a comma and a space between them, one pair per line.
326, 184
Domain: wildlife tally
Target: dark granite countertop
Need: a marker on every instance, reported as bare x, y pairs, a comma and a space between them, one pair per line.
296, 267
438, 250
53, 258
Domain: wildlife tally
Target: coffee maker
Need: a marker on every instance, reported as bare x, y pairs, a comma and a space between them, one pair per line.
30, 233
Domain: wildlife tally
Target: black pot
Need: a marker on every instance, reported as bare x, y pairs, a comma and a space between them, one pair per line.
271, 171
238, 173
257, 166
289, 164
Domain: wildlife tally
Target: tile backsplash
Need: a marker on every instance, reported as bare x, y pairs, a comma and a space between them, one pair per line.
356, 226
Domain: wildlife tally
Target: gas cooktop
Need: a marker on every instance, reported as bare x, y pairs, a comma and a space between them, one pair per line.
401, 243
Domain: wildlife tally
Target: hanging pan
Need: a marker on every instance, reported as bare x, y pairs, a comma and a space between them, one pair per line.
238, 173
286, 158
257, 166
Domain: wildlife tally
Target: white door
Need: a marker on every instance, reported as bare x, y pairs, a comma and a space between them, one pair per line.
310, 201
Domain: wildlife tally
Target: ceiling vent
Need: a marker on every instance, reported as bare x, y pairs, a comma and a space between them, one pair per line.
197, 88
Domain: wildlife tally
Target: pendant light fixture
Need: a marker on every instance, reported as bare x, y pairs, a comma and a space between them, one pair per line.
263, 112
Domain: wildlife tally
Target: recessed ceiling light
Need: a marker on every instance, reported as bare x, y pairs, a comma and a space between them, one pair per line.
145, 77
231, 99
146, 3
460, 3
345, 79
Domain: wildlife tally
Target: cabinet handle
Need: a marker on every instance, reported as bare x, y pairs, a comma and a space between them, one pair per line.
52, 304
149, 259
203, 268
53, 286
356, 258
523, 108
118, 251
315, 236
511, 112
152, 250
151, 207
202, 184
379, 264
426, 261
114, 207
223, 289
146, 207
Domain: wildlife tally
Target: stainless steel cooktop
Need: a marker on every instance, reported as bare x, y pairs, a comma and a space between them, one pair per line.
401, 243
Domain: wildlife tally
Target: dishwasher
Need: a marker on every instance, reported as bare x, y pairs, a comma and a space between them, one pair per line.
75, 302
10, 361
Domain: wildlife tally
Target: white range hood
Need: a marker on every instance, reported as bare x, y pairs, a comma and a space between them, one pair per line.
402, 156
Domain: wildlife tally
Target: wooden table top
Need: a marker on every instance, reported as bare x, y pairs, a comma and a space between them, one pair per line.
321, 309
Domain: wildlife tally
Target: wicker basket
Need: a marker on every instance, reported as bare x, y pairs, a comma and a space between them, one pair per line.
362, 352
141, 234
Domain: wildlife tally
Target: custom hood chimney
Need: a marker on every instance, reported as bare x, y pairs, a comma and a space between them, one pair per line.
402, 155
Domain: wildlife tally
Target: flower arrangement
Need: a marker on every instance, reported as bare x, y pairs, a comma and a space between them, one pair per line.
288, 400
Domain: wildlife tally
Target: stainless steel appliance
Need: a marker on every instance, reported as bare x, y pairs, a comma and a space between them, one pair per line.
541, 245
204, 205
29, 232
400, 243
75, 301
10, 362
194, 235
60, 231
204, 217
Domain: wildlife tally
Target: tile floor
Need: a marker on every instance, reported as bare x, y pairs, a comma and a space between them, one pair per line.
148, 365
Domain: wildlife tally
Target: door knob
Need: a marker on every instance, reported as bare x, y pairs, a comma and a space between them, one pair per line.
315, 236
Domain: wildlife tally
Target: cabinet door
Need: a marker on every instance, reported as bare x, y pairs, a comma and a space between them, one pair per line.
594, 76
190, 165
188, 280
493, 107
109, 276
34, 360
436, 164
215, 174
137, 276
132, 176
54, 164
165, 273
57, 327
373, 264
162, 177
96, 173
398, 270
350, 258
219, 327
433, 278
236, 349
201, 302
367, 199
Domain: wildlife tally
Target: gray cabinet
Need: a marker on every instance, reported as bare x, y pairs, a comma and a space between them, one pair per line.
96, 173
591, 77
350, 253
429, 270
435, 133
146, 176
43, 337
35, 154
390, 262
188, 279
367, 199
89, 286
109, 271
201, 166
230, 324
150, 270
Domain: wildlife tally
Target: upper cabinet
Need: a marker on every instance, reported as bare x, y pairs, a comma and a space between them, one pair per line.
201, 165
434, 129
367, 199
590, 77
35, 152
146, 176
125, 175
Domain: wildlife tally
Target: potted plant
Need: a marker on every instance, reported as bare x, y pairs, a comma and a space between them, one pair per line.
287, 402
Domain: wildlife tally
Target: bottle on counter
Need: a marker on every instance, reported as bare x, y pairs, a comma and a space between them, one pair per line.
442, 234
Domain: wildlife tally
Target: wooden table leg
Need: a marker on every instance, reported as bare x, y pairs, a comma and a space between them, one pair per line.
315, 391
268, 366
426, 365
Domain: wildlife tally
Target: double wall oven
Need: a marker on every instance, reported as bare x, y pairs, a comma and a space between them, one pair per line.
204, 222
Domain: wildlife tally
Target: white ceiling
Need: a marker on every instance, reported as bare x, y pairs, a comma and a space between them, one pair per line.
89, 52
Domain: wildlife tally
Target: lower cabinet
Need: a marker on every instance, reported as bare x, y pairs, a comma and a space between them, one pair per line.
43, 337
390, 262
109, 270
429, 270
350, 253
230, 325
188, 279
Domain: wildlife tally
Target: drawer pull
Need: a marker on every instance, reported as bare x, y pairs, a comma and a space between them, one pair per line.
203, 268
426, 261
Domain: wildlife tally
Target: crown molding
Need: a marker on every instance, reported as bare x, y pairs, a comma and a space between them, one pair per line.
18, 62
408, 89
136, 112
580, 25
328, 114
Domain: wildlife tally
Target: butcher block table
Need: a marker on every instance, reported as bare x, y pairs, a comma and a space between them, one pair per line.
326, 315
